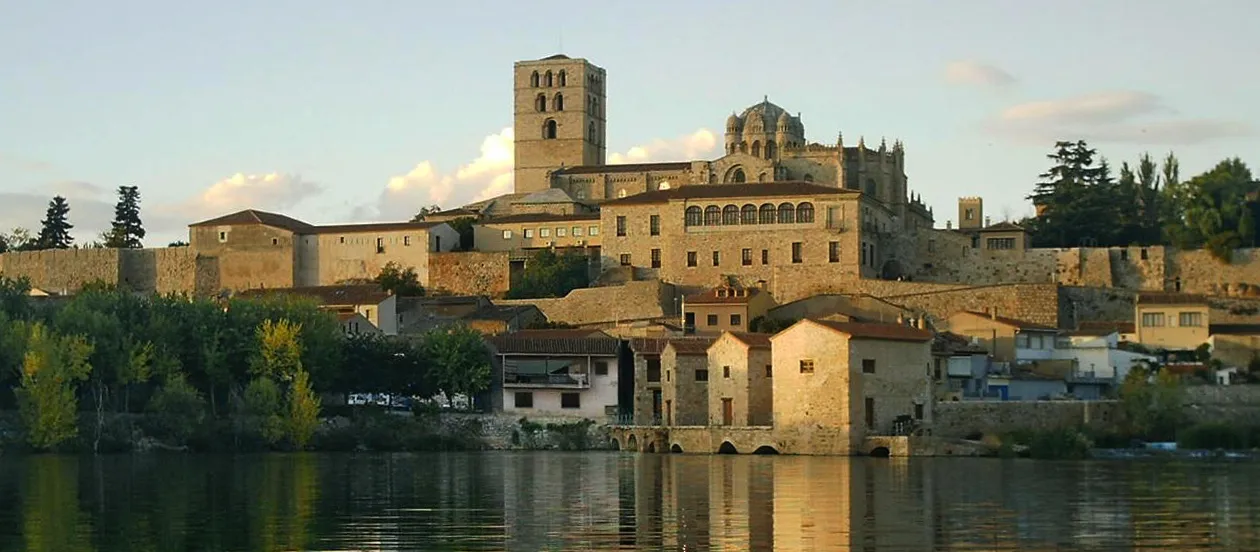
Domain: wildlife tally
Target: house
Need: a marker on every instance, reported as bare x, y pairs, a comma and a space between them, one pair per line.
1003, 238
740, 369
685, 386
1171, 321
837, 382
556, 373
648, 400
375, 304
724, 308
959, 368
1006, 339
353, 323
417, 315
1098, 355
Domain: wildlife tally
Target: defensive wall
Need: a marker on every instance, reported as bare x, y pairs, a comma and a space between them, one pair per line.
161, 270
470, 273
632, 301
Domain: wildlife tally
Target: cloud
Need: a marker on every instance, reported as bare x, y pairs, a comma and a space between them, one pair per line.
975, 73
91, 212
1117, 116
684, 148
272, 191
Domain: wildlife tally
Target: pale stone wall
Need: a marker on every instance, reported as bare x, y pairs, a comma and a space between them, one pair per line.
1199, 272
902, 380
355, 255
963, 418
746, 386
470, 273
1235, 350
645, 390
1234, 404
647, 300
1037, 303
63, 270
821, 402
536, 156
683, 396
577, 232
249, 255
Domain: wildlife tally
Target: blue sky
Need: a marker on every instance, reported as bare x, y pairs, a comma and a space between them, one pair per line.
334, 111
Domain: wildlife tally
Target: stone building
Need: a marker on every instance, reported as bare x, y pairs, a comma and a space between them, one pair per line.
528, 232
559, 118
848, 380
724, 308
685, 385
377, 306
1006, 339
740, 391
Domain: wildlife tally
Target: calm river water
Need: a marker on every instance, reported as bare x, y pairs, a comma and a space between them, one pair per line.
535, 501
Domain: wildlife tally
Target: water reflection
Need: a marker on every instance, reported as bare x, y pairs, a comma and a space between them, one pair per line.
604, 501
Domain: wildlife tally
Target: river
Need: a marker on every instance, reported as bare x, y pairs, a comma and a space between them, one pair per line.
533, 501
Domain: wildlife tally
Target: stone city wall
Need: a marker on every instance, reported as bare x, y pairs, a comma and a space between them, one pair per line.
1235, 404
63, 270
1037, 303
647, 300
470, 273
961, 419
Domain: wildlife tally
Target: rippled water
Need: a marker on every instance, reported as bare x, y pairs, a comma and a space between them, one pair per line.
620, 501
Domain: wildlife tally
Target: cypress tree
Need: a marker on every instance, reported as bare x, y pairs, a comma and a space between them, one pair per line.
55, 230
126, 231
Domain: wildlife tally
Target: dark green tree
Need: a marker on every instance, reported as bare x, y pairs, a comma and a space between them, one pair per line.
464, 225
126, 232
459, 360
400, 281
549, 275
55, 230
1213, 206
1075, 199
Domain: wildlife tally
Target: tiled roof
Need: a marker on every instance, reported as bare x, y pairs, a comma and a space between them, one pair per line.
1003, 227
252, 216
550, 195
691, 345
500, 312
1014, 322
624, 168
1234, 329
540, 217
556, 342
648, 345
560, 333
372, 227
948, 342
711, 296
889, 332
752, 340
720, 191
362, 294
1165, 298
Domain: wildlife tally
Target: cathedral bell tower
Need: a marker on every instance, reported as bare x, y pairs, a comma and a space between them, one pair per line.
559, 118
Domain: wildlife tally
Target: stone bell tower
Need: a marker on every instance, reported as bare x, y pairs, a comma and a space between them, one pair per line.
559, 118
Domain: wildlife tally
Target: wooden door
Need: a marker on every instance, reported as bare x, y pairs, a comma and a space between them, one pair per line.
728, 412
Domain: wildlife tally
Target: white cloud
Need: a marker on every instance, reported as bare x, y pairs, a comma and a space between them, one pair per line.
975, 73
272, 191
1117, 117
683, 148
1103, 107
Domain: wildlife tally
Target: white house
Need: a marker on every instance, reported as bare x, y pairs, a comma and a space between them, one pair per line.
1097, 354
570, 372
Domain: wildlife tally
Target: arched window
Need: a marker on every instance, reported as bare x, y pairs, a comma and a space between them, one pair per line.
693, 216
549, 129
563, 80
590, 133
787, 215
738, 176
621, 193
547, 79
533, 79
761, 177
770, 147
743, 147
766, 215
805, 212
748, 215
595, 107
871, 188
540, 103
712, 216
558, 103
756, 149
808, 177
730, 215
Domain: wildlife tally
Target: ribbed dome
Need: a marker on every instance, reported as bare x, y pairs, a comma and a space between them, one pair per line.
766, 111
733, 122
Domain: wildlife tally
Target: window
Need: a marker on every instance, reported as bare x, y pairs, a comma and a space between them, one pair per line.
507, 234
745, 257
769, 370
969, 214
342, 239
1124, 254
570, 400
625, 259
796, 252
870, 412
558, 103
668, 375
656, 258
765, 215
717, 258
712, 216
787, 214
592, 231
808, 177
577, 231
868, 366
736, 320
549, 129
833, 252
601, 368
223, 236
621, 226
654, 225
1000, 243
591, 137
380, 245
547, 79
564, 81
702, 374
726, 372
805, 212
1144, 254
807, 365
730, 215
711, 319
1153, 319
540, 103
1190, 319
524, 400
654, 370
542, 233
693, 216
765, 256
918, 411
561, 232
748, 214
275, 241
528, 233
533, 79
691, 258
407, 240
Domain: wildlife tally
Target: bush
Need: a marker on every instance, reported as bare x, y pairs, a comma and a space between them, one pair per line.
1218, 436
177, 410
1059, 444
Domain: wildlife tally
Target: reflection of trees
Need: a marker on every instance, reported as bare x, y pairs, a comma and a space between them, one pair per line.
51, 518
283, 503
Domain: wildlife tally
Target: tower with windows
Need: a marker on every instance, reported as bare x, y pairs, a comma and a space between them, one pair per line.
559, 118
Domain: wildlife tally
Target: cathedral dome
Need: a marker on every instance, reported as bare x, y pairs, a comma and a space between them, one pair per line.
733, 122
765, 112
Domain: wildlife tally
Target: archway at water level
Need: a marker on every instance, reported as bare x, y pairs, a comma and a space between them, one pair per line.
632, 444
766, 449
676, 449
727, 448
880, 452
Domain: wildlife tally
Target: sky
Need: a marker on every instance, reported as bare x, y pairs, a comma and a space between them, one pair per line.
334, 111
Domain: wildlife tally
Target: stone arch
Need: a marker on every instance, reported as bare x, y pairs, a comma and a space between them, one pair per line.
547, 79
808, 177
880, 452
693, 216
761, 177
651, 447
540, 103
676, 449
766, 214
550, 129
892, 270
591, 135
871, 188
712, 216
735, 175
533, 79
558, 103
787, 213
766, 449
563, 78
614, 443
730, 215
632, 443
770, 148
805, 212
727, 448
756, 148
748, 214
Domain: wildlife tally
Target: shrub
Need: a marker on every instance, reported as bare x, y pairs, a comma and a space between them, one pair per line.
1218, 436
177, 410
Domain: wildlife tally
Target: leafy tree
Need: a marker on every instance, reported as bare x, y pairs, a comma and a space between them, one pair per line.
126, 231
55, 230
460, 362
384, 364
426, 211
303, 410
549, 275
137, 368
464, 225
46, 398
1213, 209
400, 281
19, 239
177, 408
279, 350
1073, 197
1152, 403
263, 402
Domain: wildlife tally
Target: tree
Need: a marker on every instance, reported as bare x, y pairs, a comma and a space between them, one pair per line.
464, 225
126, 231
1152, 403
400, 281
279, 350
1075, 198
303, 410
459, 360
55, 230
46, 398
177, 408
1213, 208
549, 275
426, 211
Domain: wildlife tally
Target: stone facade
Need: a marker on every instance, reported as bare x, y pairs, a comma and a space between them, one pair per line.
560, 118
470, 273
647, 300
525, 232
740, 371
685, 383
961, 419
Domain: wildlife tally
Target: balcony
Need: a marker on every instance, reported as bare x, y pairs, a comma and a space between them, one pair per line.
565, 381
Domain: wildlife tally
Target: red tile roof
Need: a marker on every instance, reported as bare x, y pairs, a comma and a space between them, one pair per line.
711, 297
1166, 298
1099, 327
648, 345
889, 332
1003, 227
720, 191
253, 216
556, 342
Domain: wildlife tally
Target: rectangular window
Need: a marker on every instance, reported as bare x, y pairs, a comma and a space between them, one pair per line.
918, 411
862, 260
745, 257
625, 259
711, 319
601, 368
796, 252
654, 223
833, 252
726, 372
702, 374
765, 256
1194, 319
736, 320
807, 365
570, 400
592, 231
380, 245
656, 258
1021, 341
621, 226
717, 258
528, 233
1153, 319
561, 232
275, 241
407, 240
544, 233
1000, 243
343, 239
223, 236
654, 370
870, 412
769, 370
507, 234
1144, 254
691, 258
577, 231
868, 366
524, 400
